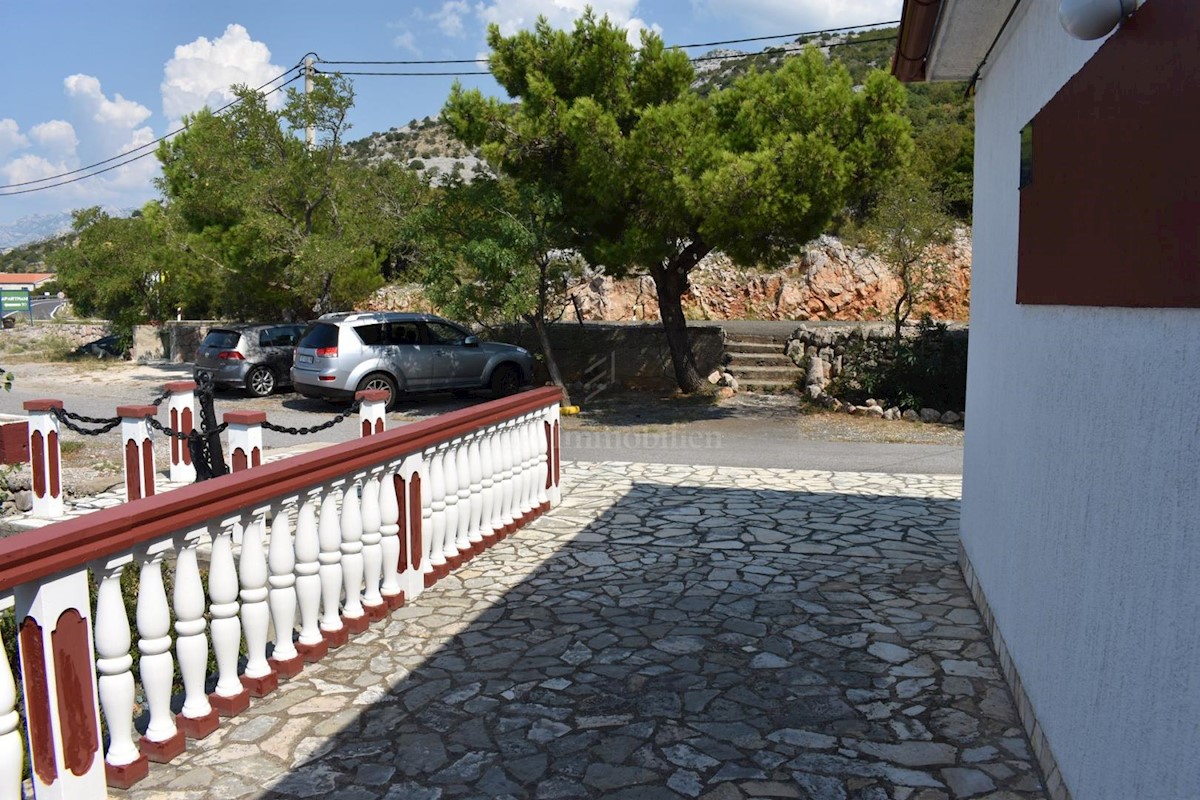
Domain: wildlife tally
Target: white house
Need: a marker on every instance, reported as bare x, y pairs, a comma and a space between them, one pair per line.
1081, 503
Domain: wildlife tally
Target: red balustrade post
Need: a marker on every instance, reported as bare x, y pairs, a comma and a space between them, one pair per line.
44, 458
181, 412
372, 413
137, 450
245, 438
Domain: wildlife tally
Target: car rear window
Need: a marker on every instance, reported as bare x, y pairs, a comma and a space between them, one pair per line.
321, 334
226, 340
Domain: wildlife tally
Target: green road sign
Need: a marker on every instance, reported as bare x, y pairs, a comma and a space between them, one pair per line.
15, 300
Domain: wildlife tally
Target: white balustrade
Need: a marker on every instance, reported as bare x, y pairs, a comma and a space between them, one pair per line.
281, 596
310, 643
372, 551
343, 549
197, 718
329, 534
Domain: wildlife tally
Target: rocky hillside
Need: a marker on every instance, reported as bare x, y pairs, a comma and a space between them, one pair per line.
425, 145
829, 281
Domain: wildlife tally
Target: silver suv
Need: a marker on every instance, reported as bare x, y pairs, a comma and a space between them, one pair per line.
402, 352
257, 358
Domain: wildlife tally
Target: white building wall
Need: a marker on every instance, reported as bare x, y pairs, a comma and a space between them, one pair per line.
1081, 509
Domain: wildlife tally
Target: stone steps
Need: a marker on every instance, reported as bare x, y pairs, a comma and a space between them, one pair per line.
760, 364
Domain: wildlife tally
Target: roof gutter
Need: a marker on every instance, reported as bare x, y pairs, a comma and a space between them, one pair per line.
918, 21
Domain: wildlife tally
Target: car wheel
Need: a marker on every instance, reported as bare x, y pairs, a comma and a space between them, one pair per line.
260, 382
506, 380
384, 382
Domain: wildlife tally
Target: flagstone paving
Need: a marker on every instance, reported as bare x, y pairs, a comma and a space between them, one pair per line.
667, 632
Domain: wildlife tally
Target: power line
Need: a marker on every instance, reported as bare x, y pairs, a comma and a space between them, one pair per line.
672, 47
134, 158
481, 73
135, 149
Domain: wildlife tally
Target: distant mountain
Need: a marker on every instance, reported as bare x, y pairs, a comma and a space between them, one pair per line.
36, 227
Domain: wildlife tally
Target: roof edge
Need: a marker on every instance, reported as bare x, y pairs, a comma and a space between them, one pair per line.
918, 20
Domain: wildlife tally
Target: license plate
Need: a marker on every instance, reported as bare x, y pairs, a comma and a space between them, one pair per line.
305, 359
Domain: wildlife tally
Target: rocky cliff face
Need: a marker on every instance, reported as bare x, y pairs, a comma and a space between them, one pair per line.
829, 281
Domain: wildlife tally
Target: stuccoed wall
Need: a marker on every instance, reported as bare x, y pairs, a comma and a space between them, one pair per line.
1081, 497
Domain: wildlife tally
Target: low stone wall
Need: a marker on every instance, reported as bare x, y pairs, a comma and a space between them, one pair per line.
637, 353
174, 341
819, 348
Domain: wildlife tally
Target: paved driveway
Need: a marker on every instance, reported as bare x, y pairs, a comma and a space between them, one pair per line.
668, 632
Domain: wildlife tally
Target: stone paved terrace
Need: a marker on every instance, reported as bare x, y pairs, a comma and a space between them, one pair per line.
668, 632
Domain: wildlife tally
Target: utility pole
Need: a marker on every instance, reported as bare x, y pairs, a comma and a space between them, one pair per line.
310, 136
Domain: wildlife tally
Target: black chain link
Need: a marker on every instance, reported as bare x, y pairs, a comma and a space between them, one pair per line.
158, 426
156, 402
315, 428
65, 418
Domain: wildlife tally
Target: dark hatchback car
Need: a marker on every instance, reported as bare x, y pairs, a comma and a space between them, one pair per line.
257, 358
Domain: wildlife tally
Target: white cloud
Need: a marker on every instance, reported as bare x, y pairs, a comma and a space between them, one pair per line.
30, 167
202, 72
406, 41
57, 136
118, 112
11, 138
449, 17
788, 16
515, 15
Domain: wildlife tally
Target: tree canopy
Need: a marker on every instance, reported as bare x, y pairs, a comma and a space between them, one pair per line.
654, 176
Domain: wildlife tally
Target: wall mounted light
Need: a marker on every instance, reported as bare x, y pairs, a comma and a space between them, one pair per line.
1092, 19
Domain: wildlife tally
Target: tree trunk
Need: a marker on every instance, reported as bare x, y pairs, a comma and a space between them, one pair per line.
539, 327
670, 284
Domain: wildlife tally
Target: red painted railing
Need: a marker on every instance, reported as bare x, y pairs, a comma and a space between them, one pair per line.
325, 542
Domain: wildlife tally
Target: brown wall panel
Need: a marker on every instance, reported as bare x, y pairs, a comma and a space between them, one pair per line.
1112, 215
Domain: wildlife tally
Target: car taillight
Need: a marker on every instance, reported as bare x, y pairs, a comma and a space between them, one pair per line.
230, 355
327, 352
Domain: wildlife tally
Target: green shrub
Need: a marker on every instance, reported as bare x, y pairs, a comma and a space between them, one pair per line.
928, 370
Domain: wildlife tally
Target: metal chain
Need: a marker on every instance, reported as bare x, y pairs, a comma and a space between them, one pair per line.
156, 402
158, 426
65, 418
315, 428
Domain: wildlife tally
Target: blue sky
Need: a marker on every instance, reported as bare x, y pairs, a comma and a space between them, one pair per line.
88, 80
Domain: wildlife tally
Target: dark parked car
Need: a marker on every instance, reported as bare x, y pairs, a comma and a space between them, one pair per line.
104, 347
401, 352
257, 358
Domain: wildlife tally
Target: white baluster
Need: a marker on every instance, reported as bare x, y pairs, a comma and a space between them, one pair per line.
372, 551
281, 596
230, 697
507, 479
437, 519
353, 614
450, 542
329, 533
542, 428
462, 474
12, 751
311, 644
389, 544
428, 570
487, 491
163, 740
258, 676
198, 718
125, 764
528, 471
475, 500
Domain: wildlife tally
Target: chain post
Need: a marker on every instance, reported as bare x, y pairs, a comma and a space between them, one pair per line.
45, 460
